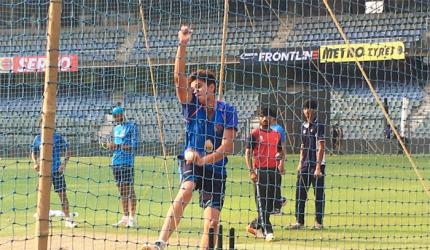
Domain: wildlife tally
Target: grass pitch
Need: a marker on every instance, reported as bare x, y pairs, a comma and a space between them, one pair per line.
372, 201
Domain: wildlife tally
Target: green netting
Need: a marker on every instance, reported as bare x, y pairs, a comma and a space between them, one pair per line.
278, 54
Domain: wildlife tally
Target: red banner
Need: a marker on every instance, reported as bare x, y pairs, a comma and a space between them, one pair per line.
23, 64
5, 64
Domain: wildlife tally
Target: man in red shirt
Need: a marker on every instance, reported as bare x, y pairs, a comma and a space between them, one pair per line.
265, 171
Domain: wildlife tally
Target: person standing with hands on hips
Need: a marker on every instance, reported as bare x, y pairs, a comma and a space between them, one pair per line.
311, 167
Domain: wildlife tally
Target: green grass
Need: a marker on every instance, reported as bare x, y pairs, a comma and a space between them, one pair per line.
372, 201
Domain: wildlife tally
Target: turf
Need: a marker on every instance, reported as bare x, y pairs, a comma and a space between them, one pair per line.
372, 201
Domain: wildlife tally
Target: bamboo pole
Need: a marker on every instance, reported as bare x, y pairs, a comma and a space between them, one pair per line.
48, 125
223, 44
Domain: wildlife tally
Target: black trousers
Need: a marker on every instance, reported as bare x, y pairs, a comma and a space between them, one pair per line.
267, 194
304, 180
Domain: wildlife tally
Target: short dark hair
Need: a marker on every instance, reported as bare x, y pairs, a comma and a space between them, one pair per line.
310, 104
203, 74
266, 111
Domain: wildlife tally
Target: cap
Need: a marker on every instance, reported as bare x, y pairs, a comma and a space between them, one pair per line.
117, 110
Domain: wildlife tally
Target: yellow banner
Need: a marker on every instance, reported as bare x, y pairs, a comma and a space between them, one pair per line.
362, 52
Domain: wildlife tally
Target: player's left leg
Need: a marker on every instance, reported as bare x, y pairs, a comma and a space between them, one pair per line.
131, 196
212, 200
132, 200
59, 184
122, 178
318, 184
128, 201
211, 220
64, 203
280, 200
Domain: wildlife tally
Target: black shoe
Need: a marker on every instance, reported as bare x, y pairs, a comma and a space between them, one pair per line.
279, 205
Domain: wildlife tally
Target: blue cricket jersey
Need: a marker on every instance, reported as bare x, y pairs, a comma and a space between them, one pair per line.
280, 130
125, 133
59, 146
205, 136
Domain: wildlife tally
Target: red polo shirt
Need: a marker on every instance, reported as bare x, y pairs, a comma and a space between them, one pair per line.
265, 144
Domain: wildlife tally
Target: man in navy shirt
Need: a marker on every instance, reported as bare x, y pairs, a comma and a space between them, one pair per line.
58, 168
125, 140
311, 168
210, 129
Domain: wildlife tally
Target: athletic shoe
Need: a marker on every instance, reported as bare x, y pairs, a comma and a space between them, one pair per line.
131, 223
70, 224
296, 226
122, 222
158, 245
317, 226
258, 233
270, 237
278, 207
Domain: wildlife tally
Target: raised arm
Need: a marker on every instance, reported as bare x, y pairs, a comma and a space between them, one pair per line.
183, 90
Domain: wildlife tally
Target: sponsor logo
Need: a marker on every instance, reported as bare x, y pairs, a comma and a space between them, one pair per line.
209, 147
248, 56
23, 64
279, 55
362, 52
285, 56
5, 64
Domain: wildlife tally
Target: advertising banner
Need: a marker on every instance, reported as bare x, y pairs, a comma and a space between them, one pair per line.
362, 52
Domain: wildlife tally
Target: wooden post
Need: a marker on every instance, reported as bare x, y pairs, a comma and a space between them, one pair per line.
223, 43
48, 125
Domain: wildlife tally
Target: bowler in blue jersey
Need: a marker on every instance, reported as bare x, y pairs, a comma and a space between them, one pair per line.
125, 141
211, 127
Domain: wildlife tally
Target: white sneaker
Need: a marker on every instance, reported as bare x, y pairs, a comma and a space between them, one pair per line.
131, 223
158, 245
124, 221
70, 224
270, 237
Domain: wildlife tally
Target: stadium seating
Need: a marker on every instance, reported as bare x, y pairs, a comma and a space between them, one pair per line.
81, 118
108, 44
380, 27
90, 45
207, 38
357, 112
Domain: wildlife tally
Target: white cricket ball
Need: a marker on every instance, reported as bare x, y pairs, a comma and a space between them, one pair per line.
189, 155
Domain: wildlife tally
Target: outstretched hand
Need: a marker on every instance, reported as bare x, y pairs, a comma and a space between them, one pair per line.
184, 35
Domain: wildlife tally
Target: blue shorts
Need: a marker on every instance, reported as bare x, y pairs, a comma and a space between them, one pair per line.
59, 182
123, 174
211, 185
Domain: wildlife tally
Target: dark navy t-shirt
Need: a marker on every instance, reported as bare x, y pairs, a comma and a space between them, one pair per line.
311, 134
205, 135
